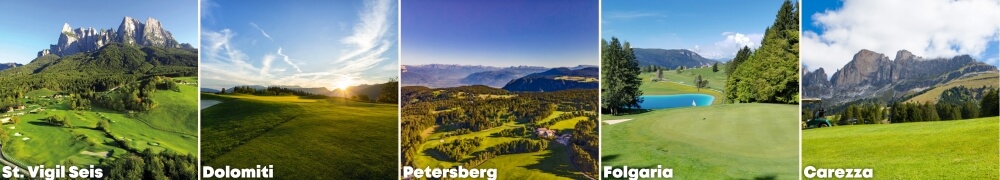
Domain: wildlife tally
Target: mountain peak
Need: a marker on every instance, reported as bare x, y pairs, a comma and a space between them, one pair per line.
903, 54
131, 31
66, 28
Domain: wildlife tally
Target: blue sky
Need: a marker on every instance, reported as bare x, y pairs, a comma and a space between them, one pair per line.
715, 29
500, 33
27, 27
835, 30
329, 44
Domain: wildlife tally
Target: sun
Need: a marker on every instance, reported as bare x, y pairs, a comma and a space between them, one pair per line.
343, 83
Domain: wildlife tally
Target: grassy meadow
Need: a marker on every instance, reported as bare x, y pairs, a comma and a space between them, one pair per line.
726, 141
302, 138
980, 80
957, 149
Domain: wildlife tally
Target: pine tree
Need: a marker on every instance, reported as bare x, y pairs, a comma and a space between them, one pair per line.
770, 75
620, 77
990, 104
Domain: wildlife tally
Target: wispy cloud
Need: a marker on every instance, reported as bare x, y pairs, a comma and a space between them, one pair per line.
365, 50
289, 61
266, 64
261, 31
370, 39
206, 10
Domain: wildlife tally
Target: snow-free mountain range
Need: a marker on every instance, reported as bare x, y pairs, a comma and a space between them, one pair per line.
130, 32
873, 75
513, 78
670, 58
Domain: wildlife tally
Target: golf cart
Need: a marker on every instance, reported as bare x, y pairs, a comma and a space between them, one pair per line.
818, 120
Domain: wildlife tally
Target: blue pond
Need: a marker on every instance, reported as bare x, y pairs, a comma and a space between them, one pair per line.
678, 100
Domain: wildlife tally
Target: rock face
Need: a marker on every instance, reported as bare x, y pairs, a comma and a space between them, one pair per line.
670, 58
131, 31
874, 75
815, 84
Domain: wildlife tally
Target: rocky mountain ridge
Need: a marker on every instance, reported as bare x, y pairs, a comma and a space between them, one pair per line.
131, 32
873, 75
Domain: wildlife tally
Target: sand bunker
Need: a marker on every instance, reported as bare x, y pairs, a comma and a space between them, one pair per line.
616, 121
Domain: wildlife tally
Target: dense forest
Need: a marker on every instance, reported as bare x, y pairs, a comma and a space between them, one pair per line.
769, 74
468, 109
135, 70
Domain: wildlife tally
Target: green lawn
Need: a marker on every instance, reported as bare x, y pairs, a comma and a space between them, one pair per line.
716, 80
552, 163
176, 111
40, 92
668, 88
174, 128
303, 139
958, 149
728, 141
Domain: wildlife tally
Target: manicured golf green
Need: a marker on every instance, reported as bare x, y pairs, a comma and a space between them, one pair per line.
728, 141
302, 138
958, 149
170, 126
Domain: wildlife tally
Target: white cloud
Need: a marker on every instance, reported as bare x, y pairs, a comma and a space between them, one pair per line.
729, 45
266, 67
261, 31
370, 40
928, 28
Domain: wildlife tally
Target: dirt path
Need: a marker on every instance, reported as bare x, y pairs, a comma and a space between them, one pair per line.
616, 121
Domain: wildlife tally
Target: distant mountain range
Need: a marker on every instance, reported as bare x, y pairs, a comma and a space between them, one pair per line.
130, 32
555, 80
670, 58
513, 78
9, 65
872, 75
444, 75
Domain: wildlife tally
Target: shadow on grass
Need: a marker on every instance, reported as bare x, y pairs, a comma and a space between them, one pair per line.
557, 165
436, 155
766, 177
43, 123
609, 158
